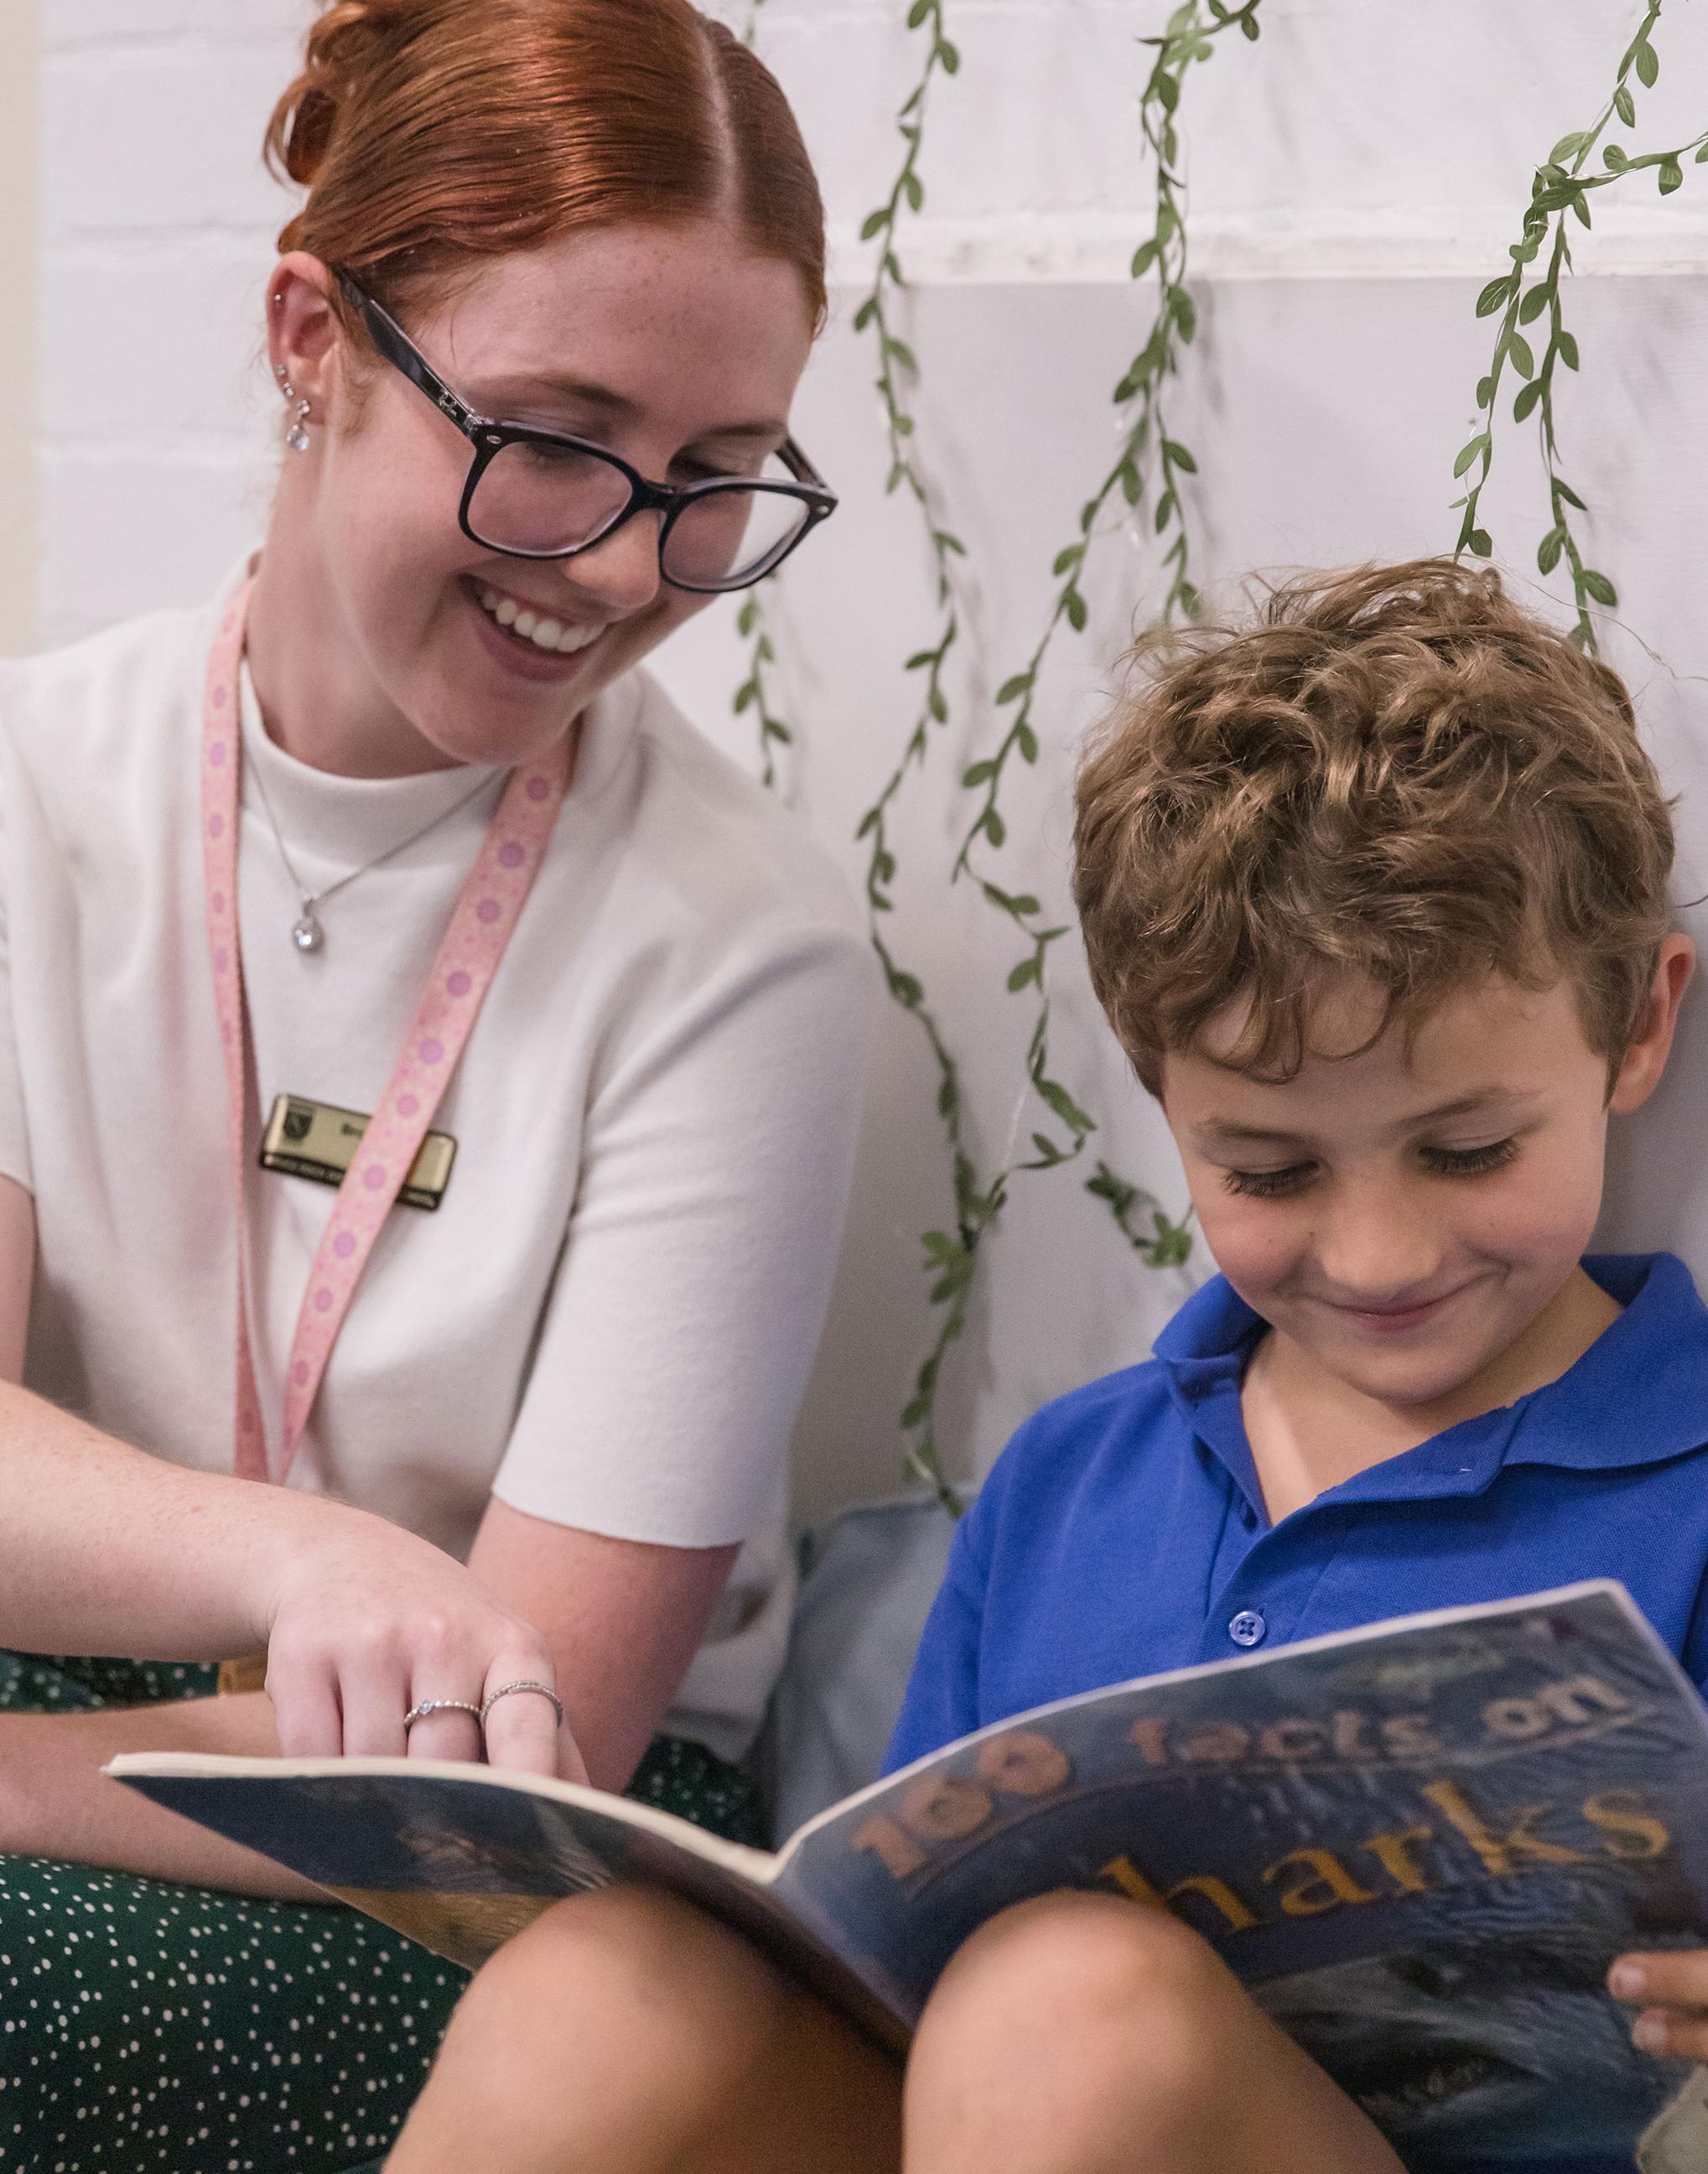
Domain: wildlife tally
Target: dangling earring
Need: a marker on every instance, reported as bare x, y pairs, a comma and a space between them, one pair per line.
296, 437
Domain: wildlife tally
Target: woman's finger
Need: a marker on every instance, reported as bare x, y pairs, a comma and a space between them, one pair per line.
1671, 1978
375, 1696
304, 1690
1672, 2033
522, 1730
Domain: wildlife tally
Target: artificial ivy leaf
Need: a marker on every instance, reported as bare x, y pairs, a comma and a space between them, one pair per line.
1026, 972
917, 14
1143, 257
1565, 491
1485, 390
1625, 105
868, 823
1181, 458
902, 423
1566, 343
1526, 400
995, 829
1011, 689
1248, 24
1565, 149
1648, 65
950, 55
1069, 556
1130, 483
1672, 177
875, 222
1186, 313
1027, 742
1549, 550
914, 189
937, 704
902, 353
977, 774
1075, 605
1470, 451
1025, 905
1493, 295
1614, 159
1701, 157
1600, 587
906, 991
747, 695
1165, 508
1481, 543
1523, 361
1534, 303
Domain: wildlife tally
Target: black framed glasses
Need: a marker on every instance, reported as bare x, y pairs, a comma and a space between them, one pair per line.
535, 494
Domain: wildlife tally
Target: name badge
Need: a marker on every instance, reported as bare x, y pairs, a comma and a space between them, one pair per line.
316, 1140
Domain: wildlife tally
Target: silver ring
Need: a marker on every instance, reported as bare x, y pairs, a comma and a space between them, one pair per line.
421, 1712
545, 1691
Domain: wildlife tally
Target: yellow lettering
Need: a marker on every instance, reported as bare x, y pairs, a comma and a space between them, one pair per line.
898, 1856
1151, 1736
1293, 1739
1392, 1853
1217, 1893
1500, 1852
1024, 1763
1620, 1812
1329, 1885
945, 1808
1218, 1740
1131, 1881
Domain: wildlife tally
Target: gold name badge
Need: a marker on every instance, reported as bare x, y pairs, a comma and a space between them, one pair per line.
314, 1140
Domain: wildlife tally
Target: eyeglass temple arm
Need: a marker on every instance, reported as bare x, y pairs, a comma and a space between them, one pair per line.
398, 350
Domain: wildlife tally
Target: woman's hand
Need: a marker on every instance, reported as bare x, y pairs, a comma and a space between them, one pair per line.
363, 1622
1672, 1988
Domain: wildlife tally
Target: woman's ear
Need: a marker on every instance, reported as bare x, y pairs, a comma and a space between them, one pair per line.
1640, 1068
302, 325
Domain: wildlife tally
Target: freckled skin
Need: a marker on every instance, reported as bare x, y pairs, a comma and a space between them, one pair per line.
691, 328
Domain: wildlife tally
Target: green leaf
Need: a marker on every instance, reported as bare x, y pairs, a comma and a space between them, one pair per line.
1614, 159
1600, 587
1025, 904
1485, 390
773, 731
1625, 105
1566, 345
917, 14
1164, 510
1648, 65
903, 353
874, 222
1528, 397
948, 55
1011, 689
1494, 294
746, 696
977, 774
1534, 303
1523, 361
1181, 458
1186, 314
1025, 972
1672, 177
1063, 1103
1481, 543
1049, 1154
1143, 257
1701, 157
1570, 495
1069, 557
868, 823
1471, 451
1130, 483
1248, 24
995, 829
914, 190
1567, 147
1580, 205
1027, 742
1549, 550
938, 703
1168, 91
1075, 605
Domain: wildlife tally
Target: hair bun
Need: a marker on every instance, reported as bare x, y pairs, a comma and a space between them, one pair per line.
346, 41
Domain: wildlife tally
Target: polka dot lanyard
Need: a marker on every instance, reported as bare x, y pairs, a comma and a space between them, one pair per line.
487, 910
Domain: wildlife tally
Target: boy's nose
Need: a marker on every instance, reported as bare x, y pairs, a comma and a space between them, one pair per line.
1374, 1250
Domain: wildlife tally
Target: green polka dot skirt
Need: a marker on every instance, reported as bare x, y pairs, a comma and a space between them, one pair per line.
145, 2025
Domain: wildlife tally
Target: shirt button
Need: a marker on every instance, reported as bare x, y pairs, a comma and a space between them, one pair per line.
1247, 1628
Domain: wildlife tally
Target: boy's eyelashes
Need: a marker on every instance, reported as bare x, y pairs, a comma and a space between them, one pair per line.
1440, 1162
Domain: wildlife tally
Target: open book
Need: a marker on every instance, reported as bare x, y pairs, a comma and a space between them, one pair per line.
1421, 1845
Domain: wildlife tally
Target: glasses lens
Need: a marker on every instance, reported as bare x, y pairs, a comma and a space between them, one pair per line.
732, 535
539, 497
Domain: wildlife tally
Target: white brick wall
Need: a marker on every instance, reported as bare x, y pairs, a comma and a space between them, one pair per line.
1376, 156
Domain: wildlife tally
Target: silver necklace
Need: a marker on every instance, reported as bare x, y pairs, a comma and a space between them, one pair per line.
307, 932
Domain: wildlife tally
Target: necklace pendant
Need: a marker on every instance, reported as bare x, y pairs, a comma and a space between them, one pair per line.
306, 933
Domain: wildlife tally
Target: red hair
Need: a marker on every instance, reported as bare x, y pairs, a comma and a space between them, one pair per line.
431, 133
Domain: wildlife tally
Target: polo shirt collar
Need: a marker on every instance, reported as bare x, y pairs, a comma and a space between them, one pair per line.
1638, 1395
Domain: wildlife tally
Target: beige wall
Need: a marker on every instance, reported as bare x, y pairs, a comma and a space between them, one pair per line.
19, 81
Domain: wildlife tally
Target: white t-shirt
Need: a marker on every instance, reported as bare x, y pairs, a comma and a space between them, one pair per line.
609, 1320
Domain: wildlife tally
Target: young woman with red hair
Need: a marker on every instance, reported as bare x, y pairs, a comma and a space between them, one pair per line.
390, 863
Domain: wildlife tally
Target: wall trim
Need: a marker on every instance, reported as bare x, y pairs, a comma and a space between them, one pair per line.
19, 252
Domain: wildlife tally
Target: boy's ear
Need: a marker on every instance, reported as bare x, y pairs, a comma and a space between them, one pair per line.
1642, 1064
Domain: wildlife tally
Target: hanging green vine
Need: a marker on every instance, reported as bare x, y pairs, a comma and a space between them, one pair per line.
754, 691
949, 1256
1561, 190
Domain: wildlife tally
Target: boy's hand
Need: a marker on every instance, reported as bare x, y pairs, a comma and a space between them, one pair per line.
1672, 1987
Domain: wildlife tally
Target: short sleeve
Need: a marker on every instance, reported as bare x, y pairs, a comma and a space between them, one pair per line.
941, 1702
14, 1137
697, 1269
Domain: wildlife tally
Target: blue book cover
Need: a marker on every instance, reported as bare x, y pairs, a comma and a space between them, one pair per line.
1420, 1846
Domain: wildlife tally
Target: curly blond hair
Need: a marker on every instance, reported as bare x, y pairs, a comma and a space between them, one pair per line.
1395, 773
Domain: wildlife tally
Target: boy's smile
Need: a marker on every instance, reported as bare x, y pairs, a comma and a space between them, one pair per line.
1408, 1218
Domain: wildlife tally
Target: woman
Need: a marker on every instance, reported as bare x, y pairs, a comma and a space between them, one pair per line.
392, 835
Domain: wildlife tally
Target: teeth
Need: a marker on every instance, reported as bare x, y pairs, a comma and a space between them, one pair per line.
539, 628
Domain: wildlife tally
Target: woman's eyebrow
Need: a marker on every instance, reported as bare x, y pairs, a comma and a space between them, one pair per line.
585, 393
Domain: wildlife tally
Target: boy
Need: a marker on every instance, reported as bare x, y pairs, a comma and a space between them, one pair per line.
1375, 895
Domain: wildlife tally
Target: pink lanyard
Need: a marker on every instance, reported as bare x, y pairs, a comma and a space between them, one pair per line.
487, 910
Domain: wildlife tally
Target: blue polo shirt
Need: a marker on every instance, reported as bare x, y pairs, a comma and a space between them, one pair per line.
1122, 1532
